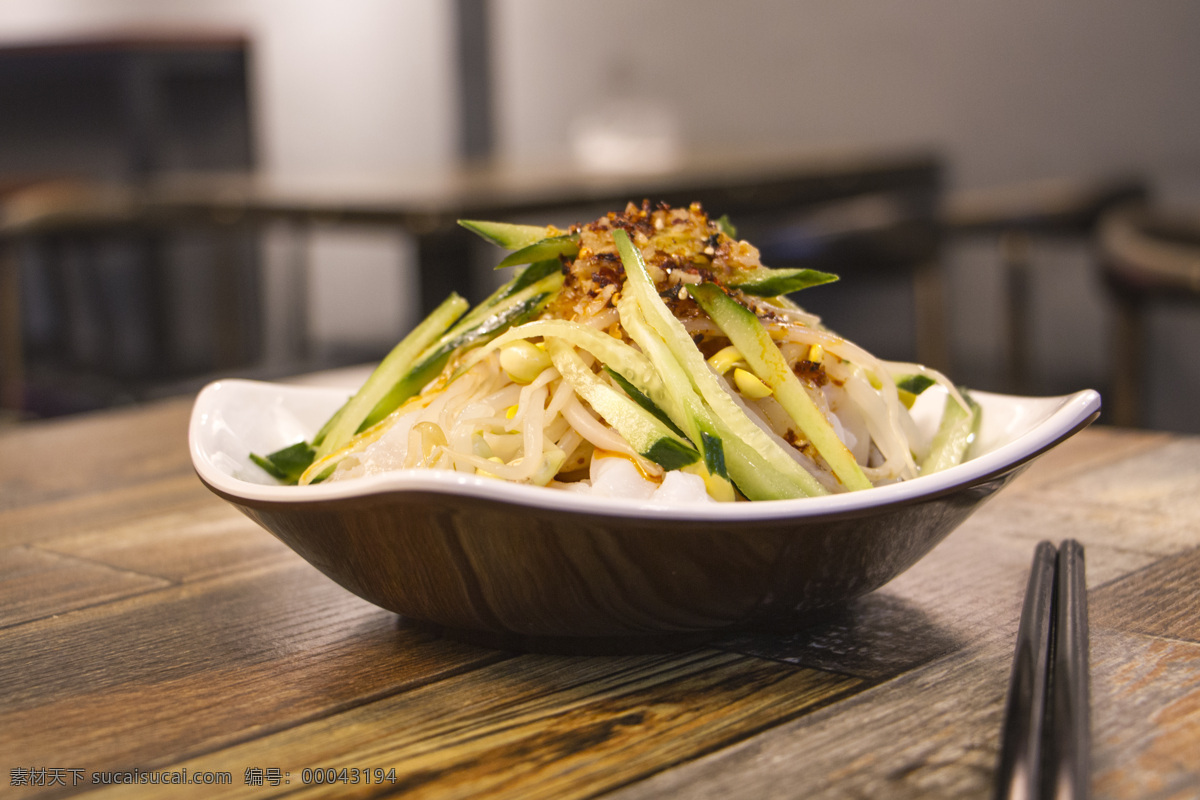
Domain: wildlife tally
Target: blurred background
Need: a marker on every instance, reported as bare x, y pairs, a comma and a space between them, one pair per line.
265, 187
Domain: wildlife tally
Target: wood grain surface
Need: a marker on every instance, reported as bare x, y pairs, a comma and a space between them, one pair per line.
147, 626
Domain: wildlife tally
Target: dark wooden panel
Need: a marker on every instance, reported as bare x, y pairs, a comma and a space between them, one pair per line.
1161, 478
209, 540
114, 507
966, 591
1145, 716
99, 470
1161, 600
34, 583
935, 732
1102, 445
540, 726
932, 733
160, 676
1025, 519
878, 636
44, 461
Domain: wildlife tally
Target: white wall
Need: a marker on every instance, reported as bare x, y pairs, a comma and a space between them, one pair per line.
1008, 90
353, 87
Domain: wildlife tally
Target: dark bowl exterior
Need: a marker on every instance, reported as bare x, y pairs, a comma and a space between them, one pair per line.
487, 567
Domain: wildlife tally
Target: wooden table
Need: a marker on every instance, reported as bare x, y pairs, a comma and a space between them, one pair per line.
145, 626
426, 205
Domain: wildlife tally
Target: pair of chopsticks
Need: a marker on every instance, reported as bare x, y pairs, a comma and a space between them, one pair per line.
1045, 751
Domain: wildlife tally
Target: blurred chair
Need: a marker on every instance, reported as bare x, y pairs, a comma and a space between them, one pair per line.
98, 293
1149, 256
1020, 214
111, 298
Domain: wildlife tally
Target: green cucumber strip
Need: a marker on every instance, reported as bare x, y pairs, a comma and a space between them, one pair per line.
529, 276
542, 250
762, 476
646, 434
914, 384
288, 463
714, 454
909, 386
642, 400
671, 454
631, 369
674, 392
524, 279
725, 226
756, 462
954, 435
474, 328
394, 367
506, 234
748, 335
269, 467
767, 282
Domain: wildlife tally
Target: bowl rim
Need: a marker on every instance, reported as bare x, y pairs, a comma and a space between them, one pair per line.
1071, 413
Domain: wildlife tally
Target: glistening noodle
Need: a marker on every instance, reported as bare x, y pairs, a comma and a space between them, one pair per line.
174, 777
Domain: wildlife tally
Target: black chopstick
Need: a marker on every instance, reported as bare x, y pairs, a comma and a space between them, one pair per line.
1019, 771
1070, 730
1044, 751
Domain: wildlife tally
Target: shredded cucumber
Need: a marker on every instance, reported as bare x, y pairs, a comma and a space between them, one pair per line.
759, 467
506, 234
398, 363
645, 433
676, 396
480, 325
749, 336
954, 435
767, 282
542, 250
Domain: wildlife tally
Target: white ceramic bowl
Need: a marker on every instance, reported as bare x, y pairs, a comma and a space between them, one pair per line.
480, 556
